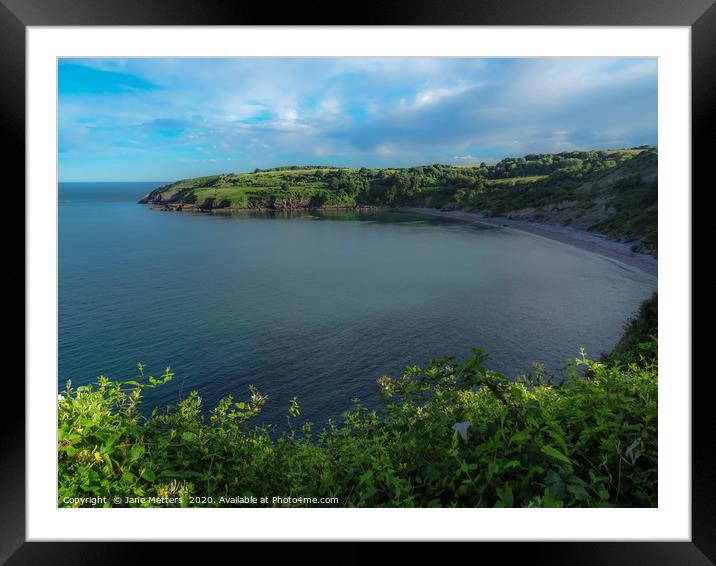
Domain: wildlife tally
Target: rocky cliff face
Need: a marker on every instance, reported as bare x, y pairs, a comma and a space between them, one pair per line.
567, 213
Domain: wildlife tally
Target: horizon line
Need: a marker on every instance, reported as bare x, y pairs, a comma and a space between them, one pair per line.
317, 165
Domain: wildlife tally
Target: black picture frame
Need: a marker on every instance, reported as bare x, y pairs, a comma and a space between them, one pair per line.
699, 15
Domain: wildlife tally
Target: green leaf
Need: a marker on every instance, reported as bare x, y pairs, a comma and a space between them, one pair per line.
555, 454
366, 477
136, 452
559, 439
550, 501
578, 491
108, 461
127, 477
188, 436
520, 436
170, 474
505, 495
148, 475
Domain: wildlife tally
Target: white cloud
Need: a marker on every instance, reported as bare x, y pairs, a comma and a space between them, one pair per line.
434, 95
359, 111
386, 149
553, 81
330, 105
287, 114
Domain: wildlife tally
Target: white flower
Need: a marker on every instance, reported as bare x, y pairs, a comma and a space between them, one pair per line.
60, 397
461, 429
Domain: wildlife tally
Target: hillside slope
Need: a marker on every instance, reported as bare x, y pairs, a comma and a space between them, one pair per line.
611, 192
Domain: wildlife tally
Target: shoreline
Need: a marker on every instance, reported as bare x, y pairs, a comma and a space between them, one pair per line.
589, 241
172, 207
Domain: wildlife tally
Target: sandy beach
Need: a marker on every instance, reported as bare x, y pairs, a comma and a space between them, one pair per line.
595, 243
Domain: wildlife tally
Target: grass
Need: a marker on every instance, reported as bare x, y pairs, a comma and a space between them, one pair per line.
517, 180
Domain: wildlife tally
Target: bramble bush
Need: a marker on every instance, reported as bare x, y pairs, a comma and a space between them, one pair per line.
446, 435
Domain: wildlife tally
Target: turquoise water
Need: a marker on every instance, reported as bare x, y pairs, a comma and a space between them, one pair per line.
315, 305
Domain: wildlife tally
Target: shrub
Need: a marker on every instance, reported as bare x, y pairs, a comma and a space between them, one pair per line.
445, 435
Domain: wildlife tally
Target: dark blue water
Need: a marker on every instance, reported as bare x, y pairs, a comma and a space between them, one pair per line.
316, 306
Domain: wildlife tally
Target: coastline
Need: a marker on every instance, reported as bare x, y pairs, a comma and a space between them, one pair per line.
595, 243
173, 207
589, 241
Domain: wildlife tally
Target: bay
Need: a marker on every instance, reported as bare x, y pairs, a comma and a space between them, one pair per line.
316, 305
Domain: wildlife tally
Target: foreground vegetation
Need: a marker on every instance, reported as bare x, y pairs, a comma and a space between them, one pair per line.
447, 434
612, 192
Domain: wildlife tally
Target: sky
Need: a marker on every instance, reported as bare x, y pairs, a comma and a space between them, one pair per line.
167, 119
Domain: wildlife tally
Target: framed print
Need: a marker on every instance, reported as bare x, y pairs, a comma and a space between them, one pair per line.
391, 279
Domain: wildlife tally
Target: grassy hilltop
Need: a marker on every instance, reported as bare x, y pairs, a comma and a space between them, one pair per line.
612, 192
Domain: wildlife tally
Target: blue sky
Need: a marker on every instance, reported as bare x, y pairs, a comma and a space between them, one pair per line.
166, 119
